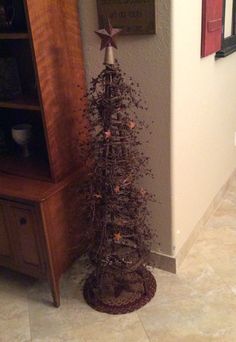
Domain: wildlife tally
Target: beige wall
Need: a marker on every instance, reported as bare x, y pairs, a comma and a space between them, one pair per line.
203, 121
193, 104
147, 60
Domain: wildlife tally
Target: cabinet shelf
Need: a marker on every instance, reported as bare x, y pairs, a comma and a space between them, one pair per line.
14, 35
21, 103
31, 167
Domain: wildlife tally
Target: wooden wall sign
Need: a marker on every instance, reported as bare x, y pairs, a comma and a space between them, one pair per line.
132, 16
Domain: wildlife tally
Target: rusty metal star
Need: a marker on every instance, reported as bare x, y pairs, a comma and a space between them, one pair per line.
98, 196
117, 189
132, 125
107, 36
108, 135
117, 236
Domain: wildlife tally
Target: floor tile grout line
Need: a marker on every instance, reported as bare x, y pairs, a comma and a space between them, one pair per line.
28, 306
146, 333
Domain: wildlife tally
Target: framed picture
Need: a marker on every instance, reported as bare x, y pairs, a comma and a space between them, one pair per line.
212, 13
228, 45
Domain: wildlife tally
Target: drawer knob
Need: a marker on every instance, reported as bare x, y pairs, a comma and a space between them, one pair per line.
23, 221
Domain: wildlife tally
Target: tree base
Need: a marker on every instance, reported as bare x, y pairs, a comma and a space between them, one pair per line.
127, 301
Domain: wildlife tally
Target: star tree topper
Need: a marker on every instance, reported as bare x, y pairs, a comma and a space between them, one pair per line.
107, 36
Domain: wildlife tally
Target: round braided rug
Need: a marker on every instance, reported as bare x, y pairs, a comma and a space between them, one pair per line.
127, 301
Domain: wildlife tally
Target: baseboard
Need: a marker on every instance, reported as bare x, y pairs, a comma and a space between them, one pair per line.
172, 263
164, 262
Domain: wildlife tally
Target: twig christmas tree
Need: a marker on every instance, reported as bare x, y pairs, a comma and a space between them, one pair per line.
116, 204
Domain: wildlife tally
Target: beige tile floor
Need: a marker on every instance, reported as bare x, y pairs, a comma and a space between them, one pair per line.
198, 304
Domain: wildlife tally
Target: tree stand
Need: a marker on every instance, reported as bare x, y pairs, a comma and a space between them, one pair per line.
127, 301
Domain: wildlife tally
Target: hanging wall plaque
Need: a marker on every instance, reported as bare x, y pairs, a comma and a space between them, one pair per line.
132, 16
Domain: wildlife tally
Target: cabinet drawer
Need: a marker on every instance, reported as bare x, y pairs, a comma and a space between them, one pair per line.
25, 237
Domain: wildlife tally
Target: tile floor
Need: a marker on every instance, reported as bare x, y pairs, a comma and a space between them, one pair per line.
198, 304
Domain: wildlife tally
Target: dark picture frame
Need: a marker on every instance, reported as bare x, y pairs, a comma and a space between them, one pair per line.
134, 17
228, 43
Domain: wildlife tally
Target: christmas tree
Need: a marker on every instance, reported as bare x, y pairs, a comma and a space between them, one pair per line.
116, 204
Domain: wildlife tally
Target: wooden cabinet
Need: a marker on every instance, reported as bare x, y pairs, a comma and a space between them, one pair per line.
41, 232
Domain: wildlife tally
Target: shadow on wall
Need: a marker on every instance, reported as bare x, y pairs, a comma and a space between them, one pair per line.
147, 59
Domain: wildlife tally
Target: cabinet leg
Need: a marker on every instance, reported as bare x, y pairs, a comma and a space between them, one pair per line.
55, 289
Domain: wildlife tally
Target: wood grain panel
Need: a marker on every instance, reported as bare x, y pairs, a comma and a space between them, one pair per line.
5, 250
68, 236
26, 235
24, 224
56, 41
34, 190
